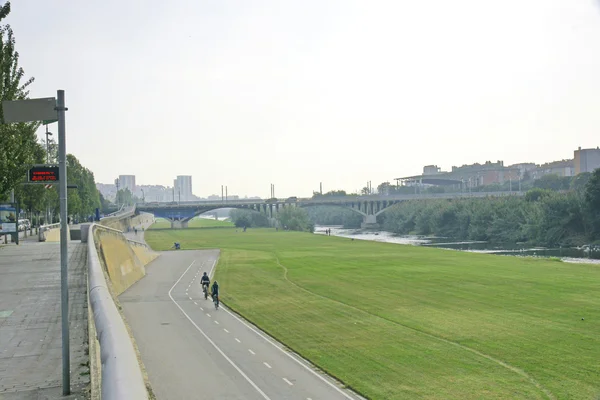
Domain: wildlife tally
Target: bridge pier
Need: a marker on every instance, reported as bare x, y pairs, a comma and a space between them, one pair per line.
369, 222
179, 224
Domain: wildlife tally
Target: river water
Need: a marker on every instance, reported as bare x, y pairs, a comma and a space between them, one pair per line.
569, 254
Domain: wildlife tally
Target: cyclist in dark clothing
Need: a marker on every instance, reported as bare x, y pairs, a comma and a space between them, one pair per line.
214, 290
205, 282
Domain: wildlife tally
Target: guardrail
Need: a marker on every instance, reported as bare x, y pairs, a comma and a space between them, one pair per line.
44, 228
121, 373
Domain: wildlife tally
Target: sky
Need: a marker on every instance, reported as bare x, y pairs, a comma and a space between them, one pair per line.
248, 93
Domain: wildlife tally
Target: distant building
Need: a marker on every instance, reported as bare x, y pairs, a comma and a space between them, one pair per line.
560, 168
127, 182
183, 187
464, 176
586, 160
431, 170
524, 167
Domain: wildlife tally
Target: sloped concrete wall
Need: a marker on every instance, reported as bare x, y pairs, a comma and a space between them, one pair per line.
120, 261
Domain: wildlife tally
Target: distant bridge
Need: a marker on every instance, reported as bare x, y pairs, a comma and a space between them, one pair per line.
180, 213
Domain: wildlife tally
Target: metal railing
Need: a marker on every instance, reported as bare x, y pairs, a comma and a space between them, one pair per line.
121, 373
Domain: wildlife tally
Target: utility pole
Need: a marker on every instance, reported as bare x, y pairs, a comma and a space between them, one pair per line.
117, 195
225, 194
222, 198
64, 250
321, 188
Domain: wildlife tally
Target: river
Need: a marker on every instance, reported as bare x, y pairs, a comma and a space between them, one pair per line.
569, 254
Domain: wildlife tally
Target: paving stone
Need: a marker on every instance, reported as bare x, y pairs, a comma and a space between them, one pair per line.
30, 321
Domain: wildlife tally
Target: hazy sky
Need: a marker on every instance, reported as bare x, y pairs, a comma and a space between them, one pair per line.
247, 93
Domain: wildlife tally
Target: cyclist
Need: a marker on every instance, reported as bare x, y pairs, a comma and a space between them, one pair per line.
214, 290
205, 283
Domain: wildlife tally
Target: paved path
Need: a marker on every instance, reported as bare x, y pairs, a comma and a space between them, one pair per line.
30, 327
192, 351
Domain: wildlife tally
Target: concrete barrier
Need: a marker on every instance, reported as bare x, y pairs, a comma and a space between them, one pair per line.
51, 233
119, 260
121, 373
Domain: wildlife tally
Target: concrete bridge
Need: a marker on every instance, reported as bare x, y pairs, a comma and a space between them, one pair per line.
180, 213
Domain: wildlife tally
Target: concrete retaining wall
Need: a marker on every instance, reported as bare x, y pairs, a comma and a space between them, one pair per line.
123, 265
51, 233
121, 373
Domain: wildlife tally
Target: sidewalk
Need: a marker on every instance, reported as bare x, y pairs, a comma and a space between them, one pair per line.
30, 321
139, 237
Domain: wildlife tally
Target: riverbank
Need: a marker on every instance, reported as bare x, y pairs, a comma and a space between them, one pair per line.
569, 254
402, 322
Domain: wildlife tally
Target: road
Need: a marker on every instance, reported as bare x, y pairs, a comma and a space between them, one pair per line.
192, 351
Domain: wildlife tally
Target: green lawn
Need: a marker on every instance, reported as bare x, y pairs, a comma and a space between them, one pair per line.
403, 322
194, 223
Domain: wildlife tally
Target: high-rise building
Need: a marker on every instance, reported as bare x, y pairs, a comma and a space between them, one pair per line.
183, 187
586, 160
127, 182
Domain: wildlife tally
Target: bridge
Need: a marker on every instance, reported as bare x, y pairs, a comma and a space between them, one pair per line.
369, 207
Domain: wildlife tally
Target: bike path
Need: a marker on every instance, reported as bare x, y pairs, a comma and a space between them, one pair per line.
192, 351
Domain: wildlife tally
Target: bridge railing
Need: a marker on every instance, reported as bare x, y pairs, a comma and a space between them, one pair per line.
326, 199
121, 374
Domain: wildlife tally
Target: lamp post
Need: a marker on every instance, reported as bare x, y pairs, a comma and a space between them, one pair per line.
47, 145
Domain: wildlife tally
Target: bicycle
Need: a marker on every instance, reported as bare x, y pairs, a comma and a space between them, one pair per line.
216, 301
205, 290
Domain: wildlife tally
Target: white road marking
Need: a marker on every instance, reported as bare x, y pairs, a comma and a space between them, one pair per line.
190, 297
217, 322
268, 366
251, 352
202, 308
208, 314
210, 341
238, 340
308, 398
288, 382
195, 303
225, 330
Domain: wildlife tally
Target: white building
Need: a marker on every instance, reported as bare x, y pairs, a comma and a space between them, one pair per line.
183, 187
127, 182
586, 160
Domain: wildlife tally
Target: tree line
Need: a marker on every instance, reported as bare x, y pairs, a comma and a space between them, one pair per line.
289, 218
20, 147
542, 216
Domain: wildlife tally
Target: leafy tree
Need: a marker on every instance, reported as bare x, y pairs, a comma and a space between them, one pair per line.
592, 199
553, 182
124, 196
18, 140
248, 218
536, 194
333, 215
295, 219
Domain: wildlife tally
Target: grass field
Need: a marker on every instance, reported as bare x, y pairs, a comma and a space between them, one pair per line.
402, 322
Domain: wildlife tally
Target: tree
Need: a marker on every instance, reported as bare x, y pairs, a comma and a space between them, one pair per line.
124, 196
536, 194
247, 218
553, 182
383, 188
18, 141
592, 199
295, 219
